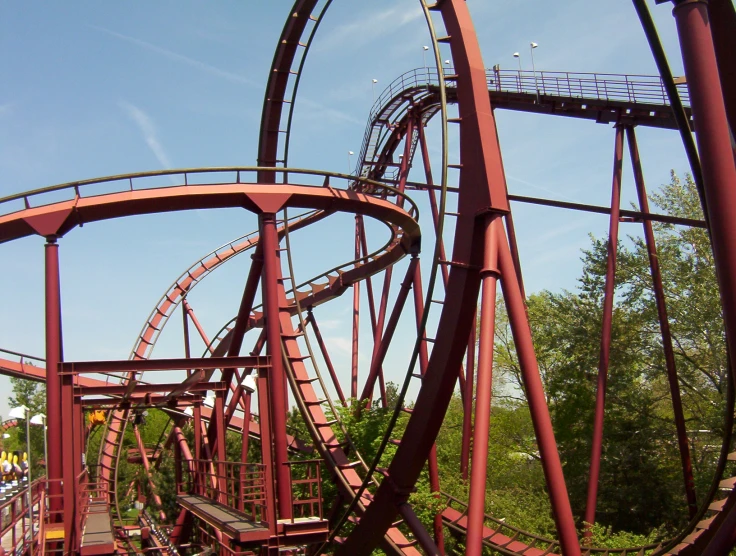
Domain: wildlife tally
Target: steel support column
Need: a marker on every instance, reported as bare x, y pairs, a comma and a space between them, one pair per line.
326, 356
478, 470
277, 376
432, 466
541, 420
246, 305
468, 404
197, 426
372, 306
607, 322
245, 437
664, 325
218, 418
356, 321
723, 20
195, 321
266, 447
53, 380
379, 353
719, 172
147, 470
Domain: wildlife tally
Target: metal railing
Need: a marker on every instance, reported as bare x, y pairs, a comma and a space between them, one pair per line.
241, 486
183, 177
15, 528
646, 90
635, 89
306, 488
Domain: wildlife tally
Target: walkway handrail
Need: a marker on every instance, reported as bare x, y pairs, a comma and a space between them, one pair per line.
609, 87
130, 182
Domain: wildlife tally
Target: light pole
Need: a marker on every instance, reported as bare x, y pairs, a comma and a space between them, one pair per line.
424, 53
350, 167
373, 85
532, 46
40, 419
518, 59
23, 412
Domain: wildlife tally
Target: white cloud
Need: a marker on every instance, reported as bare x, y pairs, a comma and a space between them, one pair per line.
148, 130
379, 23
183, 59
322, 112
343, 345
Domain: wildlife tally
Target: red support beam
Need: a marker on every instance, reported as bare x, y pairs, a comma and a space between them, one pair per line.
53, 380
138, 365
277, 378
603, 363
719, 174
432, 466
142, 389
218, 420
478, 470
393, 321
664, 325
356, 321
380, 321
326, 356
467, 400
264, 420
195, 321
541, 420
246, 306
147, 470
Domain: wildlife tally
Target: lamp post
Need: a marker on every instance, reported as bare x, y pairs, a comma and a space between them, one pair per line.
518, 59
532, 46
424, 54
24, 412
350, 166
40, 419
373, 85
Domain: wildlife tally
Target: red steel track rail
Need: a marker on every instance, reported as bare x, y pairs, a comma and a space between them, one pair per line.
484, 253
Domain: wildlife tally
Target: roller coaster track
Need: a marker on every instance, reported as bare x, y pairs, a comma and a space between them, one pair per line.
86, 209
604, 98
111, 447
400, 116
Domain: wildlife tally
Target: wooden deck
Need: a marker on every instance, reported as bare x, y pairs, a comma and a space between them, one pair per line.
97, 537
232, 522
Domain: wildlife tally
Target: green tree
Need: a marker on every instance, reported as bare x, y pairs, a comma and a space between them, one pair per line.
639, 436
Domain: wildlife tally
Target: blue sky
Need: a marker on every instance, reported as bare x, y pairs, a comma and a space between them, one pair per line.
92, 89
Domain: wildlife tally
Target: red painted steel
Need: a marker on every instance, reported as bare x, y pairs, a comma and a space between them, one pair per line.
53, 382
468, 403
326, 355
607, 323
432, 466
723, 24
478, 470
277, 377
381, 348
354, 353
719, 174
482, 187
669, 352
479, 240
147, 469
